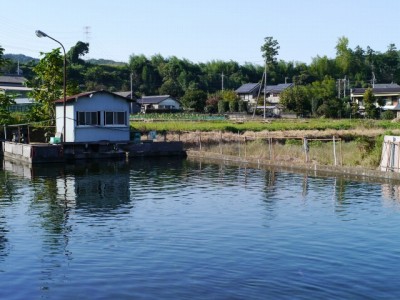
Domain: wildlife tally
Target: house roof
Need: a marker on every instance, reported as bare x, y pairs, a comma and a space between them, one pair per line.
247, 88
12, 80
15, 88
278, 88
152, 99
124, 94
385, 88
88, 94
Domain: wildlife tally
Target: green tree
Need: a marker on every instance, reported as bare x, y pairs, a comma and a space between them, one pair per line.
222, 106
297, 99
74, 54
369, 100
195, 100
343, 55
5, 102
3, 61
47, 85
270, 50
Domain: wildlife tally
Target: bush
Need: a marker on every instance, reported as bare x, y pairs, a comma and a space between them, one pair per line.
242, 106
222, 106
388, 115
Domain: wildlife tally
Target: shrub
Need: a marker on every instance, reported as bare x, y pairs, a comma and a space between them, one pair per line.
388, 115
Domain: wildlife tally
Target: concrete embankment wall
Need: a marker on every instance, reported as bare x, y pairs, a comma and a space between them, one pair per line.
47, 153
32, 153
290, 166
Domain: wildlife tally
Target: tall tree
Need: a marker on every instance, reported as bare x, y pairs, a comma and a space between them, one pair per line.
343, 55
270, 50
47, 85
74, 54
371, 110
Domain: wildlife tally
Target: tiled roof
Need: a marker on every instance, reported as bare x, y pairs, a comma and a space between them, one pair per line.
12, 80
379, 89
278, 88
152, 99
87, 94
124, 94
247, 88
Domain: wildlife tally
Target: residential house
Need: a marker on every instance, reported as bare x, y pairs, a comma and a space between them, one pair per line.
14, 85
93, 117
389, 93
273, 92
248, 92
163, 102
134, 106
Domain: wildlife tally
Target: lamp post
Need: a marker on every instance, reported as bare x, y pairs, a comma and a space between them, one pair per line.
42, 34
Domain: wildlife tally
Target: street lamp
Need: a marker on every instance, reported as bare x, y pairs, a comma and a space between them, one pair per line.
42, 34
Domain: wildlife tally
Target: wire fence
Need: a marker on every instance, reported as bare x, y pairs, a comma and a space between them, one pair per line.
329, 151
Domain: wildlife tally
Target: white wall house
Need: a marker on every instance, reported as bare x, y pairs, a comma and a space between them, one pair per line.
94, 117
248, 92
164, 102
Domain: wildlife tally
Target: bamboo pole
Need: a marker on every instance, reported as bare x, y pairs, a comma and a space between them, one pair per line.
200, 141
245, 147
220, 142
238, 143
334, 151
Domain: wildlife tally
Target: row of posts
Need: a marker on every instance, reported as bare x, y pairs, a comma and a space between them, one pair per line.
305, 146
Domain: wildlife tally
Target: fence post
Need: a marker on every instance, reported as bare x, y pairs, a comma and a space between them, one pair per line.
334, 150
238, 143
306, 148
341, 153
245, 147
220, 142
200, 140
270, 147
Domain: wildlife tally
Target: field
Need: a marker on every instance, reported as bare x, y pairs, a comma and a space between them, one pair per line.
359, 142
343, 126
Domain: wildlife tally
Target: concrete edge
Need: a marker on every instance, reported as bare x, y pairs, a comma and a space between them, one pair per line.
354, 172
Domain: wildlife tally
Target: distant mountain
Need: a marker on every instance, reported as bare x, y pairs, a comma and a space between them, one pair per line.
21, 58
102, 61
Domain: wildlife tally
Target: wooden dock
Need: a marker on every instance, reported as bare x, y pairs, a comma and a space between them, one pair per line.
59, 153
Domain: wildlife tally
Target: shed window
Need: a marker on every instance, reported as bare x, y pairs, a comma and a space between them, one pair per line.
87, 118
115, 118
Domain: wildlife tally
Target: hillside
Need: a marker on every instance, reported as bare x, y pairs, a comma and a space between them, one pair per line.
23, 59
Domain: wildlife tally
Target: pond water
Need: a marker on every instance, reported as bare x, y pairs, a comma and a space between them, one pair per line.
179, 229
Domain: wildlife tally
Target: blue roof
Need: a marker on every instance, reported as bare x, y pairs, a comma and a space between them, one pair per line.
152, 99
278, 88
247, 88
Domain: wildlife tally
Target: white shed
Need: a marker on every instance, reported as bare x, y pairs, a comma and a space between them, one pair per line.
163, 102
94, 117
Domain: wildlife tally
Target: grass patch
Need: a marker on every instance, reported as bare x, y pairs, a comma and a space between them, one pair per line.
259, 125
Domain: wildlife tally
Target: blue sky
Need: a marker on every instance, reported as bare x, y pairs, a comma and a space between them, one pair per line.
199, 31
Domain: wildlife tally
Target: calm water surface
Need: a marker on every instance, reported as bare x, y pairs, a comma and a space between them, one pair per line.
177, 229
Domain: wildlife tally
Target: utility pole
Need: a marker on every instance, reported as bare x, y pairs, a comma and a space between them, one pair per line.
344, 86
222, 83
265, 88
373, 79
131, 86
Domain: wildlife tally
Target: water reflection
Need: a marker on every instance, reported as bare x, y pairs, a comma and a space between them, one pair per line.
172, 225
